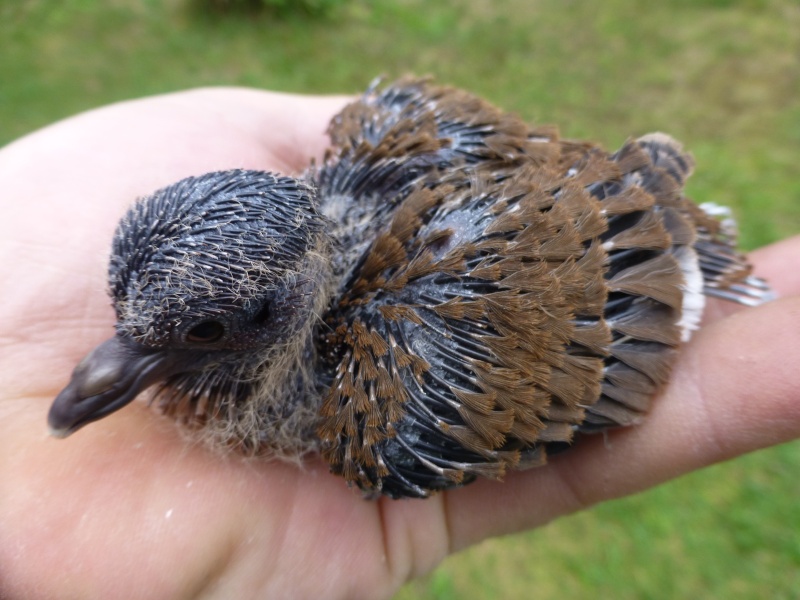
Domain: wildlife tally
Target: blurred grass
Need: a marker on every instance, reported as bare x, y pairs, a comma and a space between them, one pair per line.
727, 532
721, 75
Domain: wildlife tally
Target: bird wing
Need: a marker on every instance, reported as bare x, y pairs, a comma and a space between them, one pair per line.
499, 306
395, 137
481, 324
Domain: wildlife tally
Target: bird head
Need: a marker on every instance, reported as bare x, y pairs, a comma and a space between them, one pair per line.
210, 278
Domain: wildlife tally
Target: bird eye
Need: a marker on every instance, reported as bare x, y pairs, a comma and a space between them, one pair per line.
206, 332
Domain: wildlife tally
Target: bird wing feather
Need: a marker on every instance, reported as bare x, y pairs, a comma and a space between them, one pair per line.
516, 289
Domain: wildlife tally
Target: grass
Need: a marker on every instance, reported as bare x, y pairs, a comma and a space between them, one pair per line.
728, 532
720, 75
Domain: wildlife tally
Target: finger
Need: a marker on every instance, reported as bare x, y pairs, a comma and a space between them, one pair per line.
735, 389
779, 264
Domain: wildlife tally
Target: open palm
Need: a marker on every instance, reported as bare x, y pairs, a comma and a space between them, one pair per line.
126, 508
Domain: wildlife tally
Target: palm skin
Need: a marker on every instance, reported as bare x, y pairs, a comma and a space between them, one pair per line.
128, 509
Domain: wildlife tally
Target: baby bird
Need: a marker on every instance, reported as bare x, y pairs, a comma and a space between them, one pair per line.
450, 293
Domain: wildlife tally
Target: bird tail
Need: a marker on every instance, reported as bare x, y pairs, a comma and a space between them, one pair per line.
726, 271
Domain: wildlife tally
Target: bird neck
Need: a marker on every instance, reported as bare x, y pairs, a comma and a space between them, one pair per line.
274, 395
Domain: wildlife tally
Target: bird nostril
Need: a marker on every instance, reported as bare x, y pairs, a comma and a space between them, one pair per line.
206, 332
96, 374
97, 379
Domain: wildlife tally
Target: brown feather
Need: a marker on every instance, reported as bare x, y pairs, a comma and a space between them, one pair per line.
595, 337
680, 228
527, 432
623, 376
659, 278
565, 387
565, 414
648, 233
596, 167
482, 403
486, 270
616, 412
653, 359
556, 432
632, 399
650, 321
631, 157
469, 439
630, 199
492, 426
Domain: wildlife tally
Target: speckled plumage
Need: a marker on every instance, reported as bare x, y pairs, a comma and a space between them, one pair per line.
448, 294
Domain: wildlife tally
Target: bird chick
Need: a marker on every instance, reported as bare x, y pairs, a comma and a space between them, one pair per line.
450, 294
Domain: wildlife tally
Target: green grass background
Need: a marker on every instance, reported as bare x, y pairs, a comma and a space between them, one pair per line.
723, 76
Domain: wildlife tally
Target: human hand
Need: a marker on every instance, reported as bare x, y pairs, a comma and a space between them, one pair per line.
127, 509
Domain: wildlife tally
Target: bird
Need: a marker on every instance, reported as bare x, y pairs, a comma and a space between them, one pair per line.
450, 293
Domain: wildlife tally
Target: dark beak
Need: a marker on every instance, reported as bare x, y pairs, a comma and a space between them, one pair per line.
108, 378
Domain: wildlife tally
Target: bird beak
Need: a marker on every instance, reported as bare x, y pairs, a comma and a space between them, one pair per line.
108, 378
